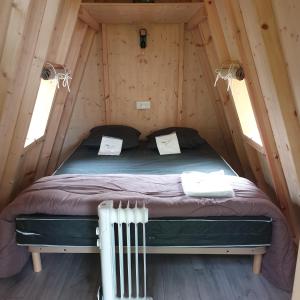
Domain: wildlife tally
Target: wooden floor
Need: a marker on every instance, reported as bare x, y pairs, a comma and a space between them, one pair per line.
76, 276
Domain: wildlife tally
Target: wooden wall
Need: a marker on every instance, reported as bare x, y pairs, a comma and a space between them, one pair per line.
198, 96
137, 74
153, 74
33, 33
89, 110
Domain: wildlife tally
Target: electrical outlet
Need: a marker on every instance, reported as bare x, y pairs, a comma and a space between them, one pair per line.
143, 104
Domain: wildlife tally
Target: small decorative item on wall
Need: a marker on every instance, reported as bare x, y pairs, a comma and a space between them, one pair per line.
229, 72
143, 38
58, 73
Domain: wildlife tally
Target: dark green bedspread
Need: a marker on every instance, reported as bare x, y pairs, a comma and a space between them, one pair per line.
144, 161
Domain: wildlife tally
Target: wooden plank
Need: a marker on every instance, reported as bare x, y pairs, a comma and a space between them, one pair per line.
5, 10
154, 250
85, 17
64, 29
296, 289
229, 152
28, 99
13, 18
106, 75
59, 102
142, 74
217, 53
180, 75
257, 170
287, 18
284, 91
89, 110
27, 166
135, 13
16, 87
70, 101
260, 110
196, 19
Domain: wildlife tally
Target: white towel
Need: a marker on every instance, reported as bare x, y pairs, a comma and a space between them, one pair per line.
198, 184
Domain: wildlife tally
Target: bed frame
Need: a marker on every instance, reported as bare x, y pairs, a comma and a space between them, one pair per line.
256, 252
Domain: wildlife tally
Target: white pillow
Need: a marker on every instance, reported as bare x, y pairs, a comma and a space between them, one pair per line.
167, 144
110, 146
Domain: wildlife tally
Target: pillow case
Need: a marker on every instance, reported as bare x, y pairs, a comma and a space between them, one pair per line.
129, 135
188, 138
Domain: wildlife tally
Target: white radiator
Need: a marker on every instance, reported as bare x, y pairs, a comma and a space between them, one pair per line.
114, 283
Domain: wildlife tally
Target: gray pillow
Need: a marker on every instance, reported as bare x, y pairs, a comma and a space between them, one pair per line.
188, 138
129, 135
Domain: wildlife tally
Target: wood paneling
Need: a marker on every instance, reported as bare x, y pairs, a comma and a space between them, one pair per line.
11, 43
27, 166
134, 13
281, 125
148, 74
198, 96
85, 16
40, 26
143, 74
64, 28
287, 18
240, 50
70, 101
106, 86
180, 75
217, 53
89, 110
59, 102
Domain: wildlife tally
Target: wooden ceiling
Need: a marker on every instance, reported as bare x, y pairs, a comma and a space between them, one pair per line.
132, 13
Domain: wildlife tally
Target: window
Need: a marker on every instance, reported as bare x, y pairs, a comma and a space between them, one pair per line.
244, 109
41, 110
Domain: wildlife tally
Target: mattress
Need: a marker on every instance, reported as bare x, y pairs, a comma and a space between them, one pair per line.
144, 161
184, 232
188, 231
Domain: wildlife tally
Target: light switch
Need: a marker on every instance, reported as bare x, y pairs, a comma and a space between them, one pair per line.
143, 104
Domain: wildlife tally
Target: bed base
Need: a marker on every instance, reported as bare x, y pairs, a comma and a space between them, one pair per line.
257, 252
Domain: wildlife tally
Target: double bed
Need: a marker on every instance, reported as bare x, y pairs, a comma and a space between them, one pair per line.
58, 213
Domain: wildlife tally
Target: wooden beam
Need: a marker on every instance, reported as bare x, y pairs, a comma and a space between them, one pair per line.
284, 91
64, 29
85, 17
28, 99
13, 20
180, 75
5, 10
106, 75
70, 101
13, 93
218, 53
231, 154
196, 19
59, 102
141, 13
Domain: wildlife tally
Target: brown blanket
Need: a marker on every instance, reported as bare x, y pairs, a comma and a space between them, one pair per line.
163, 195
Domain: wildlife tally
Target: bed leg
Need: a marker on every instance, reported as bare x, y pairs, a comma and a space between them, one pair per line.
257, 260
36, 261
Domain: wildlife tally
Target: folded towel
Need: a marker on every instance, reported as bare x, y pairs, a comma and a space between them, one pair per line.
198, 184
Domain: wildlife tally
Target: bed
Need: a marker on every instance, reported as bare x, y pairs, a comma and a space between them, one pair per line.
245, 225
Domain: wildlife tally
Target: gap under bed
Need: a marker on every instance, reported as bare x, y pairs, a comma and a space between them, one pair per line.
190, 232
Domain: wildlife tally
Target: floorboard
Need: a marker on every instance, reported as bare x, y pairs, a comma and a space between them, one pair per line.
170, 277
